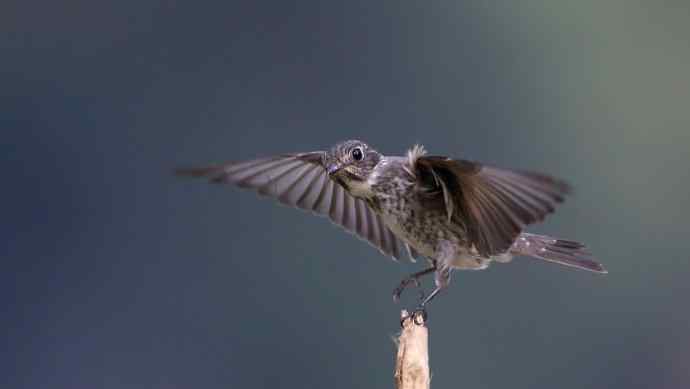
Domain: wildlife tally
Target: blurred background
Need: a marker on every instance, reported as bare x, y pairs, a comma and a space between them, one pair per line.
115, 274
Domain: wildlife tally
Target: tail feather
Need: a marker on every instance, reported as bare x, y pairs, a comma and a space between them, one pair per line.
563, 252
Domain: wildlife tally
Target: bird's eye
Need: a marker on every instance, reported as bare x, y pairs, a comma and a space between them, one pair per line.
357, 154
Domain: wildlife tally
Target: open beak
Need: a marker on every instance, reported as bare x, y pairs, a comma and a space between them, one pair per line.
333, 169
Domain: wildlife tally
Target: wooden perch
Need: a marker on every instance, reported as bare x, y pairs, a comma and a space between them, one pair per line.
412, 362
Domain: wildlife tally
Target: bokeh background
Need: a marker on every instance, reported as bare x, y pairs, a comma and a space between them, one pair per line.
115, 274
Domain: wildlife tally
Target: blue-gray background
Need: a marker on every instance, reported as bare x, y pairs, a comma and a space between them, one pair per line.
117, 275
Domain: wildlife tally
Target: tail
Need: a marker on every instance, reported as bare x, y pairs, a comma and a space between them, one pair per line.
563, 252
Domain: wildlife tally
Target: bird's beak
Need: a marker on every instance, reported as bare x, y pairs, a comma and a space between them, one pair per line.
333, 169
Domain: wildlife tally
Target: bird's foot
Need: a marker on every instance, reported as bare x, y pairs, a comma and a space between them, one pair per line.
397, 292
411, 279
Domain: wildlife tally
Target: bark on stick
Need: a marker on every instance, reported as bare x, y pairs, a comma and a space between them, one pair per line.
412, 362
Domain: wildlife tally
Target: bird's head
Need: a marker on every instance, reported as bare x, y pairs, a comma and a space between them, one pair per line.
350, 163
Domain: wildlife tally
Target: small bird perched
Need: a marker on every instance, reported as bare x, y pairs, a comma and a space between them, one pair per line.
455, 213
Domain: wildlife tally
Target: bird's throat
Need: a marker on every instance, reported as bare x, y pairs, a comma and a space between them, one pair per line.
356, 187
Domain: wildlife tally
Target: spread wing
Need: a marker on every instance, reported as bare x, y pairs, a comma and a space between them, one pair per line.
493, 205
301, 181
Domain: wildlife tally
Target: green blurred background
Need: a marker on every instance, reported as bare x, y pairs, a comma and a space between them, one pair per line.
117, 275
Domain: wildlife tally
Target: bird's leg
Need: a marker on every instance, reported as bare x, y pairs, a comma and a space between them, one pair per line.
411, 279
441, 278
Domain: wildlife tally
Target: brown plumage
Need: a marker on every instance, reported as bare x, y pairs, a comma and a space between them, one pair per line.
494, 205
455, 213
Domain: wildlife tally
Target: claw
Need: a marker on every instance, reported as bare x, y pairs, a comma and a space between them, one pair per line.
412, 279
397, 292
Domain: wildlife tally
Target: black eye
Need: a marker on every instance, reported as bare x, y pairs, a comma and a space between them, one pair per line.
357, 154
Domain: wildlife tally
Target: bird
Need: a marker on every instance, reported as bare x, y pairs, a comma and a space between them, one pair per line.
454, 214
